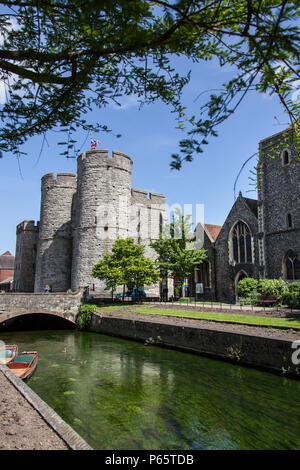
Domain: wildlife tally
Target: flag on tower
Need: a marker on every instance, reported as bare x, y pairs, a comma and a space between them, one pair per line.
94, 143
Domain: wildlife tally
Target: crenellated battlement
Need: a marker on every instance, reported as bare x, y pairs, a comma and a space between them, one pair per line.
27, 225
157, 198
101, 156
61, 179
140, 196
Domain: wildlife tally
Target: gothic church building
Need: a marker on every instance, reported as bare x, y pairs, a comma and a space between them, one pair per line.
259, 238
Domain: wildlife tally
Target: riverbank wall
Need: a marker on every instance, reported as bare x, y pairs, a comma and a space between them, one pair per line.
269, 353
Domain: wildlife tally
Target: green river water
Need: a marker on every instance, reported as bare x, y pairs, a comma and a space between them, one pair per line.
119, 394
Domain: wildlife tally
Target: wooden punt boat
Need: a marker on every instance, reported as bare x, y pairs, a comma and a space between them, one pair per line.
24, 365
8, 353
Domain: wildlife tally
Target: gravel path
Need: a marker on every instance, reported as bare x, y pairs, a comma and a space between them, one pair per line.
21, 427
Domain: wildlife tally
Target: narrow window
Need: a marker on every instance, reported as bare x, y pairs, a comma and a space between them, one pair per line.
160, 223
285, 157
289, 221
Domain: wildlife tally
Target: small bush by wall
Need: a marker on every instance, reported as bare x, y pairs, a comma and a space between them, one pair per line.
84, 317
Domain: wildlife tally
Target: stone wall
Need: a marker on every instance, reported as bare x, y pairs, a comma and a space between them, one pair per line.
259, 351
148, 215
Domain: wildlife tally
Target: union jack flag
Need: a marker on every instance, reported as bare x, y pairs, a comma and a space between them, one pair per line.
94, 143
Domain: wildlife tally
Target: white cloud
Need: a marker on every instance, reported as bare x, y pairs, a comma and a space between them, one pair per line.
125, 102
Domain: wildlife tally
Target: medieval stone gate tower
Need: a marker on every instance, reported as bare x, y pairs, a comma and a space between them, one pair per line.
80, 220
102, 210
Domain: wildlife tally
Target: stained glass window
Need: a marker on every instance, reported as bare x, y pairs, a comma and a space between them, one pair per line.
241, 243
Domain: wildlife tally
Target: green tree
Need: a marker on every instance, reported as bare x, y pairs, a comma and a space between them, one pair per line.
60, 58
126, 266
107, 270
177, 257
141, 271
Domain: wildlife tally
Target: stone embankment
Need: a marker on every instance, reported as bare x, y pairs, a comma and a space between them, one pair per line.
28, 423
266, 348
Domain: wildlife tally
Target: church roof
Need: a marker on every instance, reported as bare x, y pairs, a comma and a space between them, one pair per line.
7, 260
213, 230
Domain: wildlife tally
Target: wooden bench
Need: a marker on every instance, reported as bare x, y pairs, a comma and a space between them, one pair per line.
266, 300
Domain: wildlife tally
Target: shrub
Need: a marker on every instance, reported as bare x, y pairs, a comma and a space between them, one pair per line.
84, 317
246, 286
250, 300
292, 296
294, 287
292, 299
275, 287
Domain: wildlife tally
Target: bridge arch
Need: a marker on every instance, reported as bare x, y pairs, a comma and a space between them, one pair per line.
35, 321
59, 307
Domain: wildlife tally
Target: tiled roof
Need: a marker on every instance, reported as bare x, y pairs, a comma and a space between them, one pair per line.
213, 230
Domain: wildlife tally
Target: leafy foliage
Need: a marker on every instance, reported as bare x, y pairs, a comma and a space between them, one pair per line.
246, 286
176, 255
126, 266
292, 296
84, 317
249, 289
272, 287
61, 58
108, 270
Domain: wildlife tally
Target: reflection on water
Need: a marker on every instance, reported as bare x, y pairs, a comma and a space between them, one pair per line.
119, 394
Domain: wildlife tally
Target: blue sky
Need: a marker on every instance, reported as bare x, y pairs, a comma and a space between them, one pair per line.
149, 137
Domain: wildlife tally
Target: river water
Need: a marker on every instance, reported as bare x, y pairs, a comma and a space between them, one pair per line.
119, 394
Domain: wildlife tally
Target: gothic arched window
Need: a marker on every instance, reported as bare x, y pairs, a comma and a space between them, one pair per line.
241, 241
291, 266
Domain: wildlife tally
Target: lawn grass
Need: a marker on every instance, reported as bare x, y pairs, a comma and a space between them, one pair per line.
109, 308
222, 317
